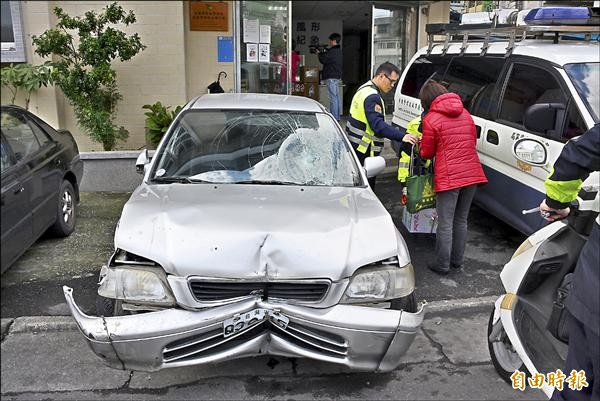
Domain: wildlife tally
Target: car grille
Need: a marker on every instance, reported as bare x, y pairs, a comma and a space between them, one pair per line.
213, 342
216, 291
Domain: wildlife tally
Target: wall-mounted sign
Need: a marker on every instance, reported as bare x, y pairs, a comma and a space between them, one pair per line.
209, 16
225, 49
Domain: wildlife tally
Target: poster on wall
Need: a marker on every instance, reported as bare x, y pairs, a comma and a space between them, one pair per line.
251, 31
252, 52
265, 34
264, 53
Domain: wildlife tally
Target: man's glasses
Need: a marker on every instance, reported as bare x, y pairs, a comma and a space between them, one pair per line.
392, 81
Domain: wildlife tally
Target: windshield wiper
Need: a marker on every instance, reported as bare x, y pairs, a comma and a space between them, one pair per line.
267, 182
181, 180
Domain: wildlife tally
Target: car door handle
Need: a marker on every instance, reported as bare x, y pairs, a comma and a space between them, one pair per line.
19, 190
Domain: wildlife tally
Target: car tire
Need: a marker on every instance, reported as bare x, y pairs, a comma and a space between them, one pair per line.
407, 303
108, 307
505, 359
66, 211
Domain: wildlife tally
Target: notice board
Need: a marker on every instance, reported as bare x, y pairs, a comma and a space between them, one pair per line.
209, 16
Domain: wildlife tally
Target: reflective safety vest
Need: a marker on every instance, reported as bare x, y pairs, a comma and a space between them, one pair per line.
358, 129
404, 162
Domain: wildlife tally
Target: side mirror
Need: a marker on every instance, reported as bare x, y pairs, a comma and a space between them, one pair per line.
543, 117
142, 161
531, 152
374, 165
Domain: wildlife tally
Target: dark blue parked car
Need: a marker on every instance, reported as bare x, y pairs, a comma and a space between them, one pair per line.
41, 172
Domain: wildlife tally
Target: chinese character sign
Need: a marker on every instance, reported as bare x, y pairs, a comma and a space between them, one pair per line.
209, 16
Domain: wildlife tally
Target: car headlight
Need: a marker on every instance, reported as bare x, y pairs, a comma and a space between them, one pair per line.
136, 284
379, 282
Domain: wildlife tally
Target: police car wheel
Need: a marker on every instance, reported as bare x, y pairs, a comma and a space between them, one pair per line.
504, 357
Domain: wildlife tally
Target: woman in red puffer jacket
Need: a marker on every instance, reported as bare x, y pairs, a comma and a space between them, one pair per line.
450, 137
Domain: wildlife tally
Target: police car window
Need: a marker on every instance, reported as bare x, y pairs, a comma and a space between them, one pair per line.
19, 134
574, 124
474, 79
528, 85
422, 69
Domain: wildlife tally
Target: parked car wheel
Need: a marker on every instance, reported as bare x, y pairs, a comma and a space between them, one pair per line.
108, 307
65, 214
407, 303
504, 357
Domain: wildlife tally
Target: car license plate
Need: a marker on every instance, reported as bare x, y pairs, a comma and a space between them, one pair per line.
246, 320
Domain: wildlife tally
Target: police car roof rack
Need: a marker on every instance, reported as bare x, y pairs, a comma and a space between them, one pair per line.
468, 33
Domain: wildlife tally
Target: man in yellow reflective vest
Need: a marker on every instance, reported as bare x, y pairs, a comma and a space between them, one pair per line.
412, 128
366, 126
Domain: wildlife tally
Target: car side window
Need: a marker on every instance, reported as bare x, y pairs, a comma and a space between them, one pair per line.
474, 80
41, 136
528, 85
19, 134
574, 124
421, 70
5, 157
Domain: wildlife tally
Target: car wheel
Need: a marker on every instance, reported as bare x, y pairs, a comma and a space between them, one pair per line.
65, 214
108, 307
504, 357
407, 303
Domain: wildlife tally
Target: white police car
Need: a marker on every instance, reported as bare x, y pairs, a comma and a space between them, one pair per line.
543, 68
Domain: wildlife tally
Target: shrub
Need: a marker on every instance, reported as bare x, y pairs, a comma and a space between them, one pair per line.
158, 120
26, 77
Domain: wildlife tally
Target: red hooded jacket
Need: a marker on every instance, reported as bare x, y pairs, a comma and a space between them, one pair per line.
449, 135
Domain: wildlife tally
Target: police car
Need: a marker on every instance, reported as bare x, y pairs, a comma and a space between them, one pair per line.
545, 71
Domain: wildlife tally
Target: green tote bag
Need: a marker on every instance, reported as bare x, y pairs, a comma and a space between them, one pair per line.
419, 186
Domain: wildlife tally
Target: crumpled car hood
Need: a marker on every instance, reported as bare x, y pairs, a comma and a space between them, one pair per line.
258, 232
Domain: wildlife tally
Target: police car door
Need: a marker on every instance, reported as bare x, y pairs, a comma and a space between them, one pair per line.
513, 184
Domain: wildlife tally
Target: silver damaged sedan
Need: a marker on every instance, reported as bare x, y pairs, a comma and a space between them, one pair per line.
254, 231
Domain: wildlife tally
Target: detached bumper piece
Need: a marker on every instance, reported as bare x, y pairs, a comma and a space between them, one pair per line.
360, 338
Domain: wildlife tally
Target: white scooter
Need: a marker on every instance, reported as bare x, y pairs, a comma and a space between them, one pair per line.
527, 330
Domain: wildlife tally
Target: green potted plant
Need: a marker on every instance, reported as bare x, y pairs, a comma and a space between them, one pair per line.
158, 119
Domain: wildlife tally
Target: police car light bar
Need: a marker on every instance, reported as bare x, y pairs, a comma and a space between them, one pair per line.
563, 16
485, 33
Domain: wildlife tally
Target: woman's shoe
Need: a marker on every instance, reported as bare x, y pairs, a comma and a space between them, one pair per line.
435, 268
456, 266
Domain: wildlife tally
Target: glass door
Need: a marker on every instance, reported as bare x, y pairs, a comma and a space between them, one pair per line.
388, 42
264, 49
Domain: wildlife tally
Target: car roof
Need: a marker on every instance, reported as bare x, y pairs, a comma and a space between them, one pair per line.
560, 54
255, 101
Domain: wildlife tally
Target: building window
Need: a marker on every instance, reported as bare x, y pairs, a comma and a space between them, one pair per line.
382, 28
11, 33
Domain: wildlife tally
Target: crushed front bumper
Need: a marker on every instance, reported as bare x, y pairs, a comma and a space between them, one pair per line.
361, 338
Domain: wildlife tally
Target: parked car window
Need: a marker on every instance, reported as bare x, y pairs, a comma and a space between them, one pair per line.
258, 147
41, 136
6, 158
421, 70
474, 80
528, 85
586, 79
19, 134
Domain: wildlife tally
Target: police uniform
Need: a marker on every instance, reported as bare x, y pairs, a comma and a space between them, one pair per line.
579, 157
413, 128
366, 126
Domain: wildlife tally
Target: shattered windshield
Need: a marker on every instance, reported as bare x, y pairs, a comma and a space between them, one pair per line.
258, 147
